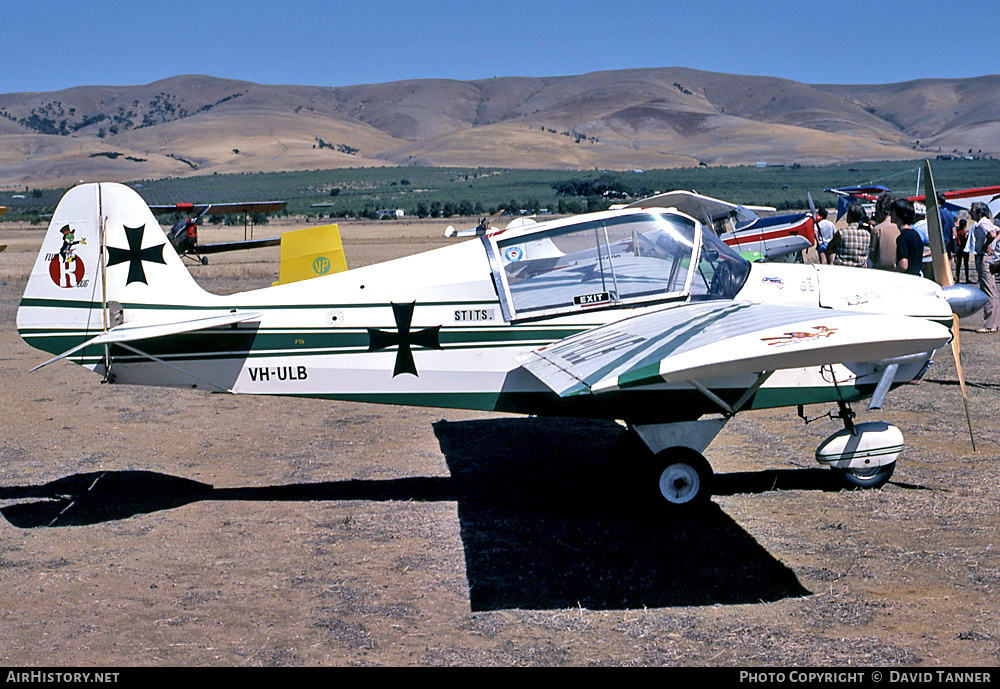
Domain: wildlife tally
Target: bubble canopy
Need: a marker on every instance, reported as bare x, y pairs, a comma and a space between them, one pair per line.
611, 259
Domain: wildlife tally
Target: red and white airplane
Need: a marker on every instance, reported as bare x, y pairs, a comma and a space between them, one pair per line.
960, 199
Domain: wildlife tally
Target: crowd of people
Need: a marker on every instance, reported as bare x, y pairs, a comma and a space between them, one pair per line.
896, 238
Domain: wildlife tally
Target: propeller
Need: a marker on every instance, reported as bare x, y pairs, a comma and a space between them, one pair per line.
943, 276
812, 218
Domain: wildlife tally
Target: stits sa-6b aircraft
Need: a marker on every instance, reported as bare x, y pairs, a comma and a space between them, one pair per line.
639, 315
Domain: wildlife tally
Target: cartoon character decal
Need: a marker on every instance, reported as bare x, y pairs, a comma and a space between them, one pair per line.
788, 338
66, 268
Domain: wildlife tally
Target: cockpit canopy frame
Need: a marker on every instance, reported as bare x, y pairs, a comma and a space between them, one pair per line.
610, 260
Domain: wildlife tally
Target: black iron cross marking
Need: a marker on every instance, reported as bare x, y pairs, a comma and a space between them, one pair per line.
135, 255
427, 338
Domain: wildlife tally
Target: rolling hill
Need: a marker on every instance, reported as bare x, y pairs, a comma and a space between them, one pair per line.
641, 118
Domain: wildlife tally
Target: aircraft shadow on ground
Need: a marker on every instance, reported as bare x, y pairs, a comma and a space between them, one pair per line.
549, 518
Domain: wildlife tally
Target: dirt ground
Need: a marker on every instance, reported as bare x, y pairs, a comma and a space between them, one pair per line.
147, 527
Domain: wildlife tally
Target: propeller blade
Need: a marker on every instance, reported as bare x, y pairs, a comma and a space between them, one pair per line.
944, 277
942, 266
812, 219
956, 350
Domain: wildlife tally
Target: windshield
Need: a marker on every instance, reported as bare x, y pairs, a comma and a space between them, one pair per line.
721, 271
612, 261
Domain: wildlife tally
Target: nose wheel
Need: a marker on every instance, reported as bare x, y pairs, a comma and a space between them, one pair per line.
866, 478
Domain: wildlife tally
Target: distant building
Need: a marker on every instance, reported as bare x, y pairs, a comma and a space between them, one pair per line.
390, 213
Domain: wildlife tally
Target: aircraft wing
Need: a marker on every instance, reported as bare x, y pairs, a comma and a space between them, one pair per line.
220, 247
720, 339
869, 193
221, 208
964, 198
695, 205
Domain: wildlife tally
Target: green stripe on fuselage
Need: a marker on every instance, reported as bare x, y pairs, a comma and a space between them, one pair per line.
250, 342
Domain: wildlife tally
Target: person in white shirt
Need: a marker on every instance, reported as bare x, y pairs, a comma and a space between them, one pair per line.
983, 241
824, 235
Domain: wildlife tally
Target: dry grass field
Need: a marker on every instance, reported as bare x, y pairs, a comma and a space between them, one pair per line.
146, 527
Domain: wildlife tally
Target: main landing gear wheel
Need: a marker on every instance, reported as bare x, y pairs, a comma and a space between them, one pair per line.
866, 478
683, 478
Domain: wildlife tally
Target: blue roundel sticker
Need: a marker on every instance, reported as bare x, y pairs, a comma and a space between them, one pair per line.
513, 254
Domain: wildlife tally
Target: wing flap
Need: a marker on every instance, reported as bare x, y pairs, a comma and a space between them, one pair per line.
721, 339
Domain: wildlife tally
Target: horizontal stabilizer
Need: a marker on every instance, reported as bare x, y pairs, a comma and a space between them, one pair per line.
126, 333
722, 339
450, 231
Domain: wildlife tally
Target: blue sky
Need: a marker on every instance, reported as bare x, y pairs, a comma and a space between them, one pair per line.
54, 44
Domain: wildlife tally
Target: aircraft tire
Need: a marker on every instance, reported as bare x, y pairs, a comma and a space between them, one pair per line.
862, 479
682, 479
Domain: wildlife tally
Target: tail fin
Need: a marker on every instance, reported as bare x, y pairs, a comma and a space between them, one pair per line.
310, 253
103, 249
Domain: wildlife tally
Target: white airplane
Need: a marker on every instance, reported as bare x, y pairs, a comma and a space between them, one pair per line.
637, 314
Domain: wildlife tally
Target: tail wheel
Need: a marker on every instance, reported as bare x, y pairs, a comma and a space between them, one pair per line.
683, 477
866, 478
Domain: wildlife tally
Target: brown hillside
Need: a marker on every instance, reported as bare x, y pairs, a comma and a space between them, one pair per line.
616, 119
